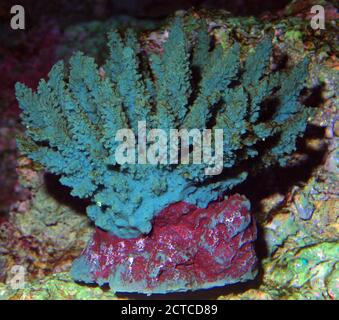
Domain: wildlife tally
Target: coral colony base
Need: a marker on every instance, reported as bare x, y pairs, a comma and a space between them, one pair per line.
165, 225
188, 248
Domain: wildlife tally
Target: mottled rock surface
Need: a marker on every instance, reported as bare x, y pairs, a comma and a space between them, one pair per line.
54, 287
188, 249
44, 232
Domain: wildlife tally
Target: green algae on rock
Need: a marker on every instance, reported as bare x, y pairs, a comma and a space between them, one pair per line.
55, 287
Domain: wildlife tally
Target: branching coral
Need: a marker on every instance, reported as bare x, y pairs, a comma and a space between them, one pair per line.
72, 119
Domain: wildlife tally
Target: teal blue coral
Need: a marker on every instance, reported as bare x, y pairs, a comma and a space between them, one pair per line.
72, 119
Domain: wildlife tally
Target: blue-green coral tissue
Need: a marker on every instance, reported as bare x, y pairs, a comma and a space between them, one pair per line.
72, 119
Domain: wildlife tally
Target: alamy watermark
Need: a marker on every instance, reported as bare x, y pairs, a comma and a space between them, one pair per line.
318, 20
16, 279
18, 17
158, 146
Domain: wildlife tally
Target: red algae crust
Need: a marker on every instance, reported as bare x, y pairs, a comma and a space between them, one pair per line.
189, 248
